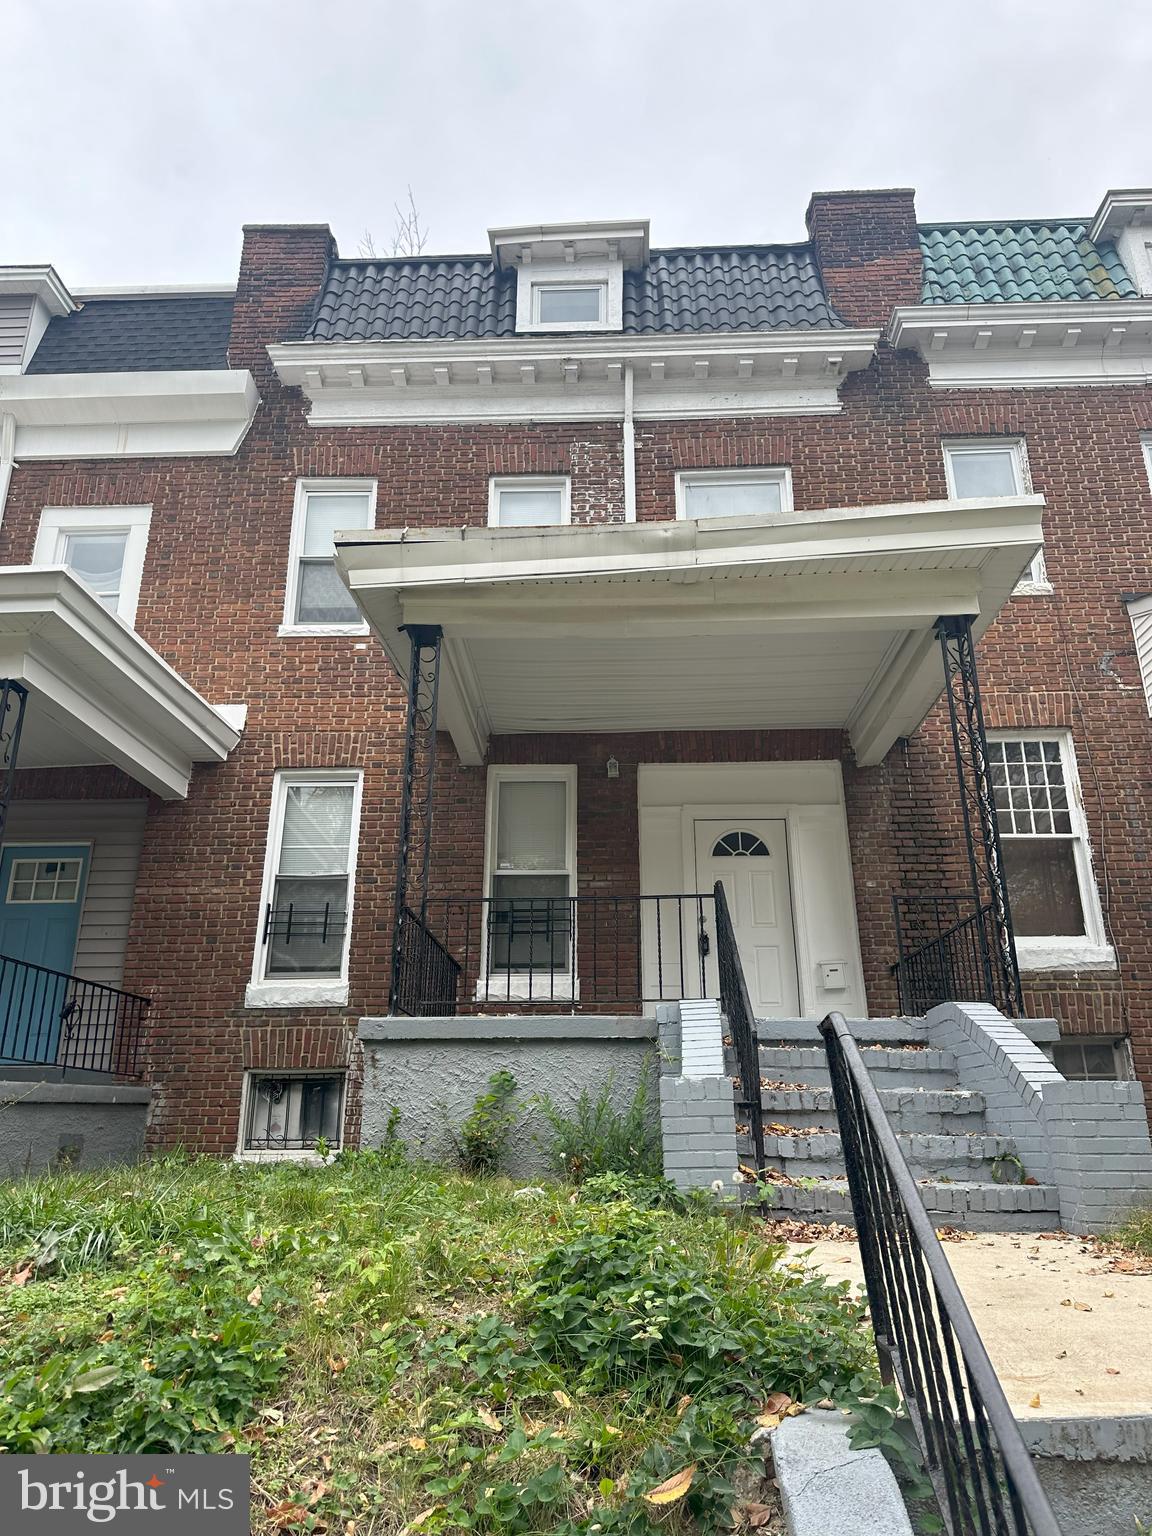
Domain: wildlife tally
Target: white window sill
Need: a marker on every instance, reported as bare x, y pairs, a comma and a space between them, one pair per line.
322, 629
286, 993
542, 988
287, 1155
1032, 589
1064, 955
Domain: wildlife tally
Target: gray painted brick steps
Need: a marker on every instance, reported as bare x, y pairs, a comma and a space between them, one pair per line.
942, 1130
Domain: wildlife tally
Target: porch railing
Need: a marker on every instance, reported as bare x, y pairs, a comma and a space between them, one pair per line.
51, 1019
949, 951
741, 1021
981, 1474
578, 953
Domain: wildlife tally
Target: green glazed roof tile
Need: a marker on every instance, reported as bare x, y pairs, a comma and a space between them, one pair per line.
1014, 263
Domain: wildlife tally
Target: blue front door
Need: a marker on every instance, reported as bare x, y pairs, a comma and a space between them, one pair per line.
41, 897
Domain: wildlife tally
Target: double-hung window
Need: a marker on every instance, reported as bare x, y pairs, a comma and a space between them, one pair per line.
316, 600
733, 492
1044, 839
979, 468
532, 872
306, 909
103, 546
529, 501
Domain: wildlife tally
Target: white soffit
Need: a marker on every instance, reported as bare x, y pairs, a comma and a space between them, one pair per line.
42, 283
573, 378
1029, 345
98, 693
111, 415
808, 619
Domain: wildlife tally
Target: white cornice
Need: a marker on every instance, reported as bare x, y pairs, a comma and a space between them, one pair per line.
1029, 345
42, 283
623, 239
117, 415
159, 291
1119, 209
574, 378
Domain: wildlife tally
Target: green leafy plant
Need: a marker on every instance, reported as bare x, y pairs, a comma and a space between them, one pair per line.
484, 1133
596, 1137
641, 1190
1008, 1169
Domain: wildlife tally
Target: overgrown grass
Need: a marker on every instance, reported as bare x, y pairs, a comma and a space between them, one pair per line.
406, 1348
1137, 1233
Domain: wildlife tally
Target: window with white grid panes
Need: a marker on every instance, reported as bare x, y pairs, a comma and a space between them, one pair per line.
1041, 833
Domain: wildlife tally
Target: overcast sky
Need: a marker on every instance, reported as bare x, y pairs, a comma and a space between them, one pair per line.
139, 135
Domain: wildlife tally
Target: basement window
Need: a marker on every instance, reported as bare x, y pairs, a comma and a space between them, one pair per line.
316, 600
287, 1114
733, 493
1091, 1060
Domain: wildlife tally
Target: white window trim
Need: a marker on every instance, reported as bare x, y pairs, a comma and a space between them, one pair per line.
1035, 582
1140, 617
305, 488
1089, 951
287, 991
305, 1155
1146, 444
56, 523
777, 474
500, 483
531, 275
519, 987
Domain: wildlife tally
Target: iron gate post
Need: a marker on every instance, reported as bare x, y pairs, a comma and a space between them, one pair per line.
418, 774
978, 810
13, 699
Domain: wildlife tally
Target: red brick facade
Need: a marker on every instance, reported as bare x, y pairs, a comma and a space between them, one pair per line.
213, 595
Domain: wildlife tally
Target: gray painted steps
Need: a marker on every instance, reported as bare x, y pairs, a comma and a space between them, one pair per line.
888, 1066
948, 1111
928, 1156
978, 1206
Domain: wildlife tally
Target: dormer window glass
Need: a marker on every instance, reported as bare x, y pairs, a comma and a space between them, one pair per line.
562, 304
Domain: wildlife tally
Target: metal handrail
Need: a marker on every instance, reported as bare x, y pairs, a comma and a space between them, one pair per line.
50, 1018
981, 1473
737, 1008
955, 962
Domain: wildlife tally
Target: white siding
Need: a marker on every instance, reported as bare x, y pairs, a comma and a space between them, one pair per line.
15, 313
1140, 612
115, 828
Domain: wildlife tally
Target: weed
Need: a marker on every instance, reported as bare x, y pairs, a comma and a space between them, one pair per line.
486, 1128
595, 1137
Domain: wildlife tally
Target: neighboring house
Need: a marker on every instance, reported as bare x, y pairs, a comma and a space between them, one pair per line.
677, 528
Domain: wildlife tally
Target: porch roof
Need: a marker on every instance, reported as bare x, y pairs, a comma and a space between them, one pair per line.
97, 692
807, 619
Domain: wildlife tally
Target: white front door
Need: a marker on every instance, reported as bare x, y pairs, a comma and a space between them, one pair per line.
751, 858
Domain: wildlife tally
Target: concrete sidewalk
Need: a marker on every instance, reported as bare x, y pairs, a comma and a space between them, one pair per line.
1055, 1321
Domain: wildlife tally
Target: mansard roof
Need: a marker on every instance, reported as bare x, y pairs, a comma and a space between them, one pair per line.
136, 335
1019, 262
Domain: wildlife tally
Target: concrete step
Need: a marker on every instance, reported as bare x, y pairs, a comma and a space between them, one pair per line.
821, 1156
981, 1207
864, 1031
888, 1067
947, 1111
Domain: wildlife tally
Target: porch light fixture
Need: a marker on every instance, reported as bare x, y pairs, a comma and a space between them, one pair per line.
613, 766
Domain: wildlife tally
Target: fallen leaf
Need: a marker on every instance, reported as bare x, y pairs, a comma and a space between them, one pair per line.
254, 1296
489, 1419
336, 1364
1063, 1355
610, 1429
107, 1336
1034, 1402
349, 1528
1067, 1302
682, 1406
1110, 1370
418, 1443
562, 1398
424, 1515
756, 1515
117, 1291
776, 1402
1109, 1294
1082, 1306
21, 1276
313, 1489
672, 1488
287, 1513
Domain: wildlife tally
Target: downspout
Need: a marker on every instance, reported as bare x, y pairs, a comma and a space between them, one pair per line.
7, 456
629, 443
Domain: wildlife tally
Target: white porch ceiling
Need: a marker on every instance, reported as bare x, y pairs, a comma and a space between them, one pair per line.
97, 692
808, 619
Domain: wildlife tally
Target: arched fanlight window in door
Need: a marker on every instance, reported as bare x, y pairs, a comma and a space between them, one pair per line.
740, 845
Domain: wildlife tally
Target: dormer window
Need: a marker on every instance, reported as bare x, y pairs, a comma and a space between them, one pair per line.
570, 277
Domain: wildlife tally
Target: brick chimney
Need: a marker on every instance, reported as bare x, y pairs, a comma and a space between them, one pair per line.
282, 270
868, 251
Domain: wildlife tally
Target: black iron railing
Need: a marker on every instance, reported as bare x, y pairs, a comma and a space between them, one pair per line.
293, 924
949, 952
741, 1021
51, 1019
983, 1480
572, 953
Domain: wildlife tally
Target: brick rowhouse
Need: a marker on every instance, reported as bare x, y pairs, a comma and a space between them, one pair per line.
212, 599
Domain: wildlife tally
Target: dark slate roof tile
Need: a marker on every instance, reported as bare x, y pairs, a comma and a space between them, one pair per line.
462, 298
168, 331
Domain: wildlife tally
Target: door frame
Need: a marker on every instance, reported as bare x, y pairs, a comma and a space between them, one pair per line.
810, 801
81, 896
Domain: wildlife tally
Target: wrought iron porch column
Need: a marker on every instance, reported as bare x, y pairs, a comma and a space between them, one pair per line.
978, 809
414, 849
13, 698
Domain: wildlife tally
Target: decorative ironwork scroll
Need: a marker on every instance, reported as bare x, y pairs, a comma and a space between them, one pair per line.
414, 848
13, 700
